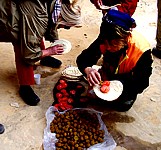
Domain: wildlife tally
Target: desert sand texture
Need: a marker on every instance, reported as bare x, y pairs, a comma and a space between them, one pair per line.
137, 129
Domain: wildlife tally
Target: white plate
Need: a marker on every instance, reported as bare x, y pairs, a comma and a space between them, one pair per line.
66, 44
116, 88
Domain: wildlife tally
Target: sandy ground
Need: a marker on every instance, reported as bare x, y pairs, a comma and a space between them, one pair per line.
137, 129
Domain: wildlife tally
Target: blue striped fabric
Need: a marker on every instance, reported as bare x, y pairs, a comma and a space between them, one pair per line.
56, 12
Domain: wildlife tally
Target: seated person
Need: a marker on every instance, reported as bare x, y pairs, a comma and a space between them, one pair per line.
126, 57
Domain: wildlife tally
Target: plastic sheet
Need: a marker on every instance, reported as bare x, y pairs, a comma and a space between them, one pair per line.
50, 138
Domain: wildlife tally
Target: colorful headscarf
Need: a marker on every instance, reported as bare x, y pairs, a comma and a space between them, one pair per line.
121, 19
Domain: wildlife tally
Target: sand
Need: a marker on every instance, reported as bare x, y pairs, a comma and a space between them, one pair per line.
137, 129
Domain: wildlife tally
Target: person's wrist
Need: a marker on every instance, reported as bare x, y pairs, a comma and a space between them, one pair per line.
87, 70
45, 53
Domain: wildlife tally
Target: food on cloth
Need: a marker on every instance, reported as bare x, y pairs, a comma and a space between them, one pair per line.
72, 73
76, 130
105, 83
108, 90
66, 94
105, 86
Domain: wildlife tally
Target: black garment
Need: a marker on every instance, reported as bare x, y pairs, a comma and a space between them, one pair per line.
156, 53
2, 129
28, 95
134, 82
50, 62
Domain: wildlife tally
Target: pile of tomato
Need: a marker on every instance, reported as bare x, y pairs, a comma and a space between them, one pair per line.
66, 94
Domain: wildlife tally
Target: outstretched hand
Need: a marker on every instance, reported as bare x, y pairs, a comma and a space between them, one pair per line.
53, 50
93, 76
56, 50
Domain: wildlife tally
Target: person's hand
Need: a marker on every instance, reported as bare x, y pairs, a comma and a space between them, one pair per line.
93, 76
56, 50
53, 50
97, 3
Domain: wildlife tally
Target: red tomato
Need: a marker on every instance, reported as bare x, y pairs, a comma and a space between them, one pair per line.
63, 104
72, 92
59, 95
70, 100
59, 100
66, 94
62, 81
65, 99
64, 85
63, 91
104, 88
62, 108
79, 86
59, 87
56, 105
106, 83
68, 106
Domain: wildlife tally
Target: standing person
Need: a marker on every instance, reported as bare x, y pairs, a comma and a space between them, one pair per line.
126, 57
24, 23
157, 50
126, 5
65, 14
